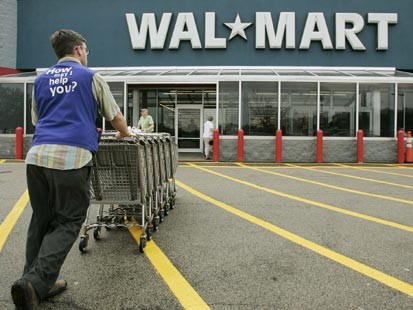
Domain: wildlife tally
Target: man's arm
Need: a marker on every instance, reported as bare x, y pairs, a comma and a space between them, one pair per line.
108, 107
119, 123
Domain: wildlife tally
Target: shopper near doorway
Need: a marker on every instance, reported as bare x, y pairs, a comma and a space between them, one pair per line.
146, 123
208, 134
66, 99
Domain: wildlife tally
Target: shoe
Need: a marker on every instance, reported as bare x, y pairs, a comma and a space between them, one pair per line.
58, 287
24, 296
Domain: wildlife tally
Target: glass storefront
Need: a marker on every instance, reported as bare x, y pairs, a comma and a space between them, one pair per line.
257, 104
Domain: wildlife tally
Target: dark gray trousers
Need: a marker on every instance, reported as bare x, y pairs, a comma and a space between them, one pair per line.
59, 199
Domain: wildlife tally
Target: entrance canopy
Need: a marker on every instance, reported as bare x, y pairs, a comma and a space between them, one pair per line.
204, 74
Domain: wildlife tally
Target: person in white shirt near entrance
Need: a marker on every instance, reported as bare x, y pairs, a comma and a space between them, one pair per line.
208, 134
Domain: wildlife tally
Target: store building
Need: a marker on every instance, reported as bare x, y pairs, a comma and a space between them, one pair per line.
257, 66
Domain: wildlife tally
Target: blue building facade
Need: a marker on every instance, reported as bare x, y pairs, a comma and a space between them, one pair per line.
105, 26
299, 66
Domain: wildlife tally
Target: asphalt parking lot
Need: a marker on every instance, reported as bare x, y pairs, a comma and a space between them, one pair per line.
242, 236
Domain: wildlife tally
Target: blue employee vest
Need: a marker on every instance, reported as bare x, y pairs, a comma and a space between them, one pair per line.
66, 107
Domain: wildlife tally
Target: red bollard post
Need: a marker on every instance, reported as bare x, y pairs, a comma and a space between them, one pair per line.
19, 143
409, 150
278, 145
360, 146
400, 147
215, 155
319, 152
240, 145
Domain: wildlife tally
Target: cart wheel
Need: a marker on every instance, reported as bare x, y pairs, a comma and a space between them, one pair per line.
148, 233
155, 223
96, 233
161, 216
166, 211
172, 203
83, 244
142, 244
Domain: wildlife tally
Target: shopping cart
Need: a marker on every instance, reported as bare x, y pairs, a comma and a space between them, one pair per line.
151, 179
170, 160
158, 216
165, 207
119, 186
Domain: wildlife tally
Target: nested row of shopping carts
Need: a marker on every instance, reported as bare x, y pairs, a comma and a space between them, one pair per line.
132, 184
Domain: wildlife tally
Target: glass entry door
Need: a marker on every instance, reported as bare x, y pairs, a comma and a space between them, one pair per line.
188, 128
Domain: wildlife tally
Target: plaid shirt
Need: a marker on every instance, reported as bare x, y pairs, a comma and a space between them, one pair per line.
55, 156
66, 157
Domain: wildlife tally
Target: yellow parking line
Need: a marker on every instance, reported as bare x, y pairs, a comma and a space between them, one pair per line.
312, 202
328, 185
11, 219
282, 166
2, 161
404, 167
368, 271
396, 166
209, 166
183, 291
364, 179
378, 171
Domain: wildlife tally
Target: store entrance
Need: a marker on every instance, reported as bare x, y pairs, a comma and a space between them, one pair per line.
180, 111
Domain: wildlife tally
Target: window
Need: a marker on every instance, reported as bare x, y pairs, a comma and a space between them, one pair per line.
298, 108
29, 95
166, 111
376, 113
228, 107
148, 100
259, 108
405, 107
11, 107
338, 109
131, 106
118, 93
210, 103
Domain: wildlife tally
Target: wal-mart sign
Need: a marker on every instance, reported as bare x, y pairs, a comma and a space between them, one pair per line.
284, 35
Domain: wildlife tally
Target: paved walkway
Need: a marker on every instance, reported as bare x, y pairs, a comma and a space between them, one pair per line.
253, 236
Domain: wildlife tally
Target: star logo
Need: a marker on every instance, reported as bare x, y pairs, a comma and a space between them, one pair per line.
237, 28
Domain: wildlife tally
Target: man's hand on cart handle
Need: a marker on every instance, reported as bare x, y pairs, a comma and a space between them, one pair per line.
119, 123
121, 135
